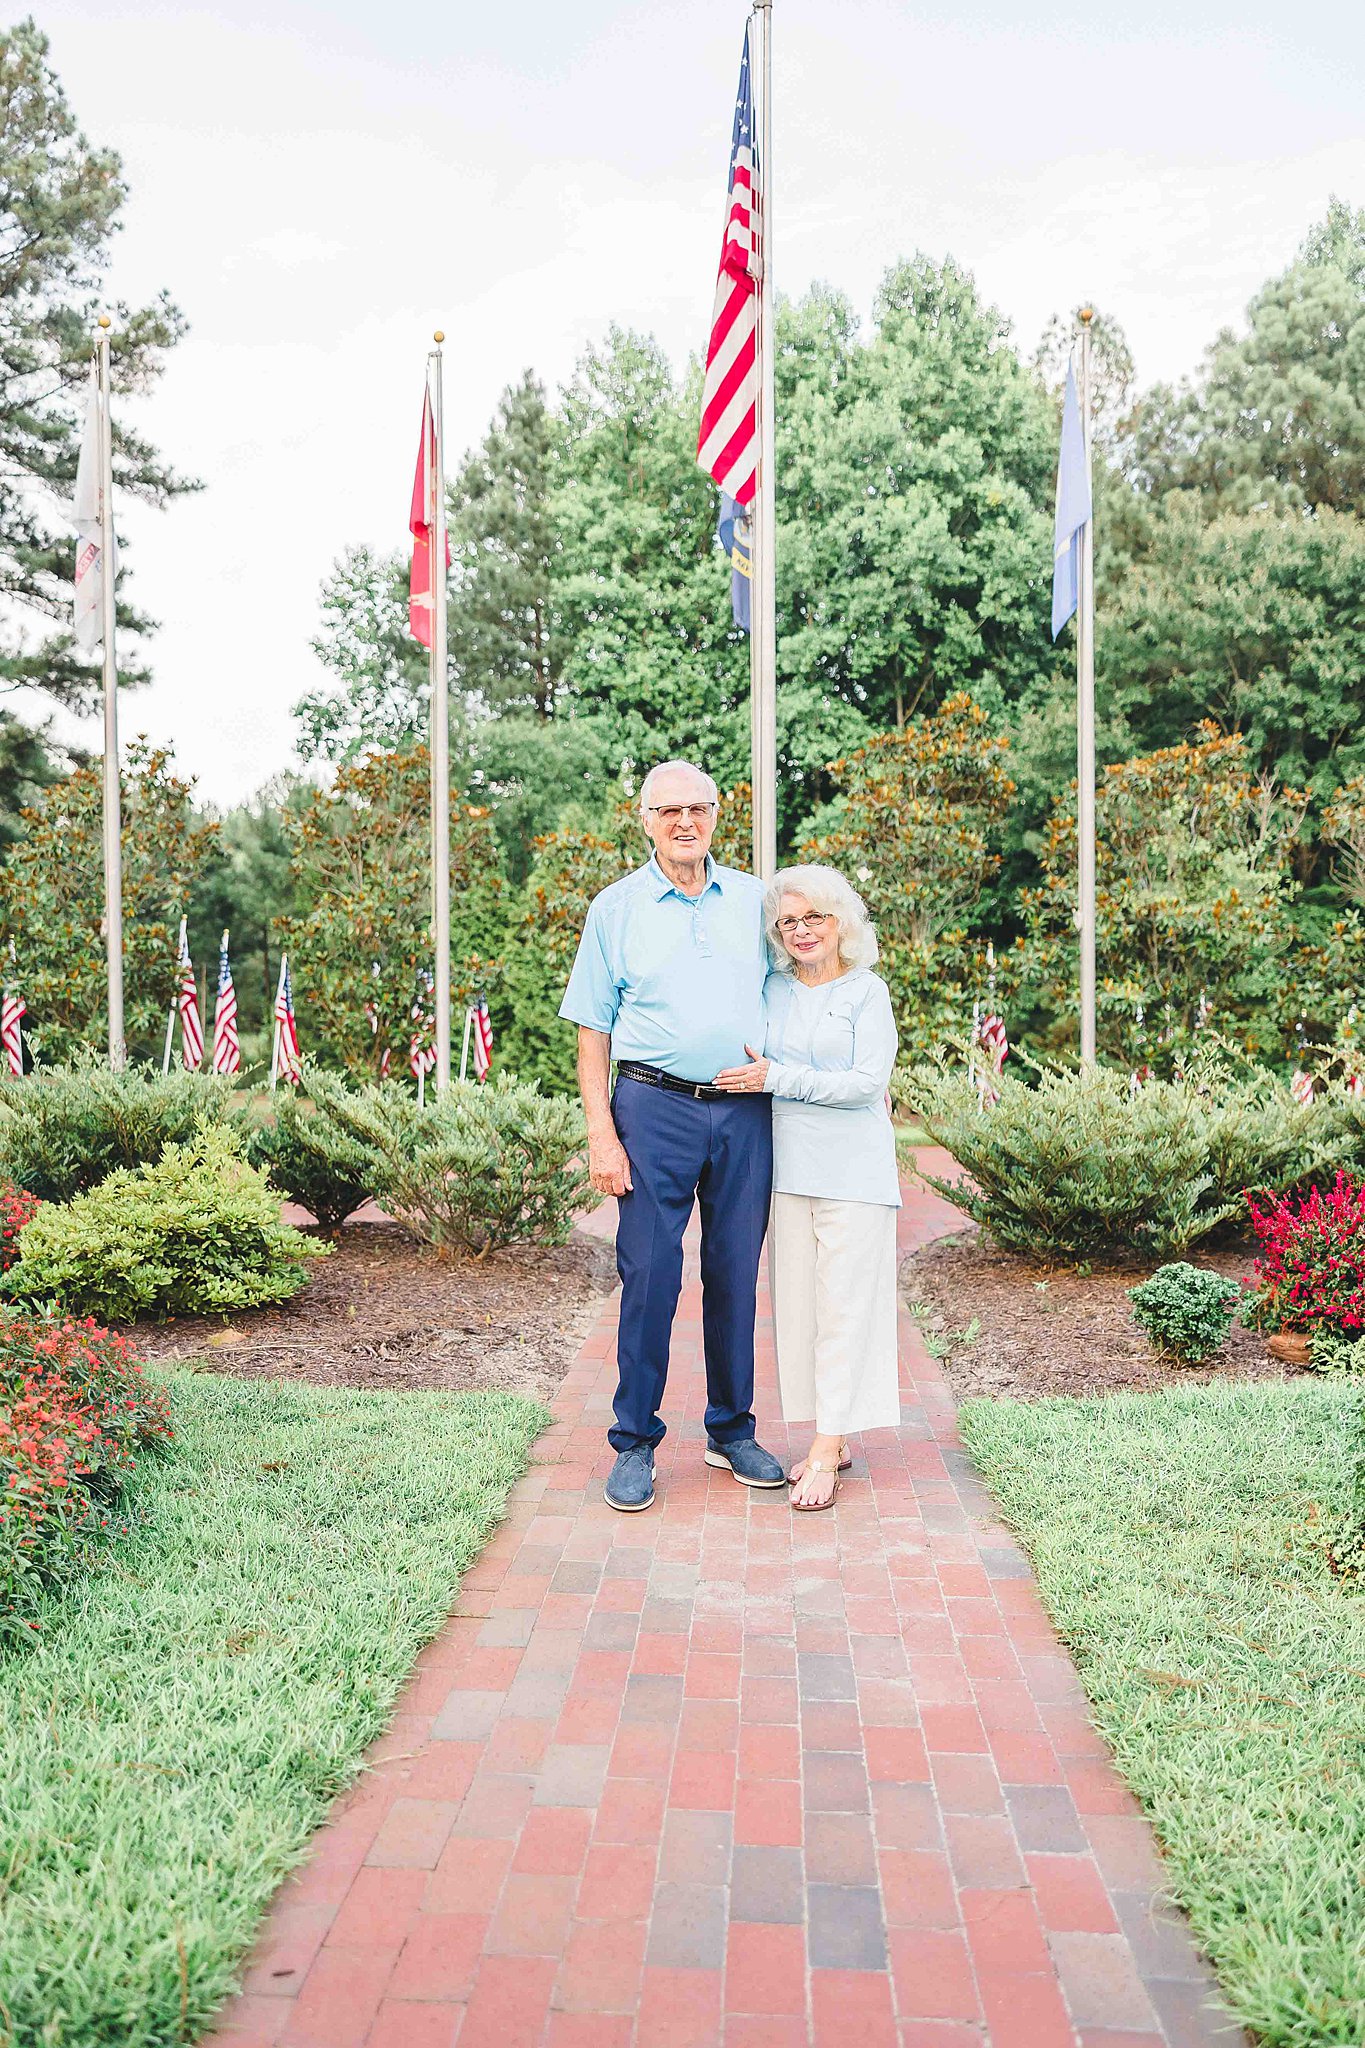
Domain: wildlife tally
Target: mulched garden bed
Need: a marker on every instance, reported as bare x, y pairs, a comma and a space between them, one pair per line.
383, 1311
1053, 1330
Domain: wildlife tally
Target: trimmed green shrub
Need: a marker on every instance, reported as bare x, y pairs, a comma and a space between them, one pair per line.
1185, 1312
198, 1233
1081, 1164
66, 1129
311, 1159
479, 1167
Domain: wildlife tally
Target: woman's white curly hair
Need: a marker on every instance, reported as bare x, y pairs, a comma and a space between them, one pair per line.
824, 889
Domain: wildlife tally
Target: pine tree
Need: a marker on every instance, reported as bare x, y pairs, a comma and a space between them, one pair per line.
60, 201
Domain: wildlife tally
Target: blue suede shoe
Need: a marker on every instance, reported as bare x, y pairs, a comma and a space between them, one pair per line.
631, 1485
750, 1463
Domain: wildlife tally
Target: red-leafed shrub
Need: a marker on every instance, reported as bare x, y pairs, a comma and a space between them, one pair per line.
75, 1410
1310, 1274
16, 1206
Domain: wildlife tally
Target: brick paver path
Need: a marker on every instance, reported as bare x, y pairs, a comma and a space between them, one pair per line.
720, 1774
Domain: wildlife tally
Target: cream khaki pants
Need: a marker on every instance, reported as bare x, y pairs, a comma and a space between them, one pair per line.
833, 1272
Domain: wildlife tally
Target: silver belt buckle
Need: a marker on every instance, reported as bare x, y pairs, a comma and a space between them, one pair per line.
697, 1091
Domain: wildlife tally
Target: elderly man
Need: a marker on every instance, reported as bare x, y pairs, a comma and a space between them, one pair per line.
668, 982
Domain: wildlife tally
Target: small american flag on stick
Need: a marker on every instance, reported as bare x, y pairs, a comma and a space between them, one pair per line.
227, 1053
727, 446
287, 1063
191, 1028
482, 1036
13, 1010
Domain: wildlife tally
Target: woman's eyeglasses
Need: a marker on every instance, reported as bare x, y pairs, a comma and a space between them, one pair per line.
814, 921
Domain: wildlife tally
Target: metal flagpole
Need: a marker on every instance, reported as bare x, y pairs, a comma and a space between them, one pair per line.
113, 822
440, 737
1085, 727
763, 638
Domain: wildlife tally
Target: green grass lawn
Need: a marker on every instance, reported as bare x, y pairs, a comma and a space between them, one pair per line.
192, 1708
1179, 1541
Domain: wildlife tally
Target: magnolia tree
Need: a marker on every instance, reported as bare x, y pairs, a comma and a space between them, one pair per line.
1195, 903
918, 834
52, 904
361, 954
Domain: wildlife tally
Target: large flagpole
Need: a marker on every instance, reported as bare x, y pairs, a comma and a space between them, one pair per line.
1085, 727
113, 822
763, 636
440, 733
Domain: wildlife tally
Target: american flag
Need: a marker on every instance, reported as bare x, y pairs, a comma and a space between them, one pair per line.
421, 1047
13, 1010
288, 1062
227, 1053
191, 1029
481, 1036
727, 446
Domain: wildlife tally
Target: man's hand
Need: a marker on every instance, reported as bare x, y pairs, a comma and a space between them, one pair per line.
745, 1080
608, 1165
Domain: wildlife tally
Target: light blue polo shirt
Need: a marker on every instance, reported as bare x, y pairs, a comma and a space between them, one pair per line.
676, 980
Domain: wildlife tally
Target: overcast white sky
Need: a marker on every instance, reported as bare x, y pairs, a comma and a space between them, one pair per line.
321, 185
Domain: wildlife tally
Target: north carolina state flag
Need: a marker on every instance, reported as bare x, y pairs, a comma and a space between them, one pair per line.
421, 520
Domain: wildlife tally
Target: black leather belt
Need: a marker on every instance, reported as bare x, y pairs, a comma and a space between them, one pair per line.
655, 1077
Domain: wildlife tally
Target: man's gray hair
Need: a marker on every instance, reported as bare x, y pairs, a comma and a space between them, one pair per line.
664, 768
824, 889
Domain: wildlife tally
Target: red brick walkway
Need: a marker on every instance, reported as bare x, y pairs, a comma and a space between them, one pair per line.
719, 1774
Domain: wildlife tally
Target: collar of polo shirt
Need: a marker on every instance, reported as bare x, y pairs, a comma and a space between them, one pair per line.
663, 887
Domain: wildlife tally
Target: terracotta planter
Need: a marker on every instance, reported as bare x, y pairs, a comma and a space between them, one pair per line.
1289, 1347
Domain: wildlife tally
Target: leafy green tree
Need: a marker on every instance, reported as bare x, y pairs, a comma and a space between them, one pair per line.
1276, 416
1195, 901
382, 678
651, 651
60, 202
248, 883
52, 903
360, 942
915, 472
1253, 619
505, 644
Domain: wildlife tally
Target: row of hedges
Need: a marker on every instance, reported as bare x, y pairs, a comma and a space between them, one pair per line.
137, 1196
1081, 1164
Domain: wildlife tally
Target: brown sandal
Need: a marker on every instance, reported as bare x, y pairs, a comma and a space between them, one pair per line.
845, 1465
817, 1507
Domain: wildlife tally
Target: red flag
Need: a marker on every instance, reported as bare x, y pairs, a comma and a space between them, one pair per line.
421, 520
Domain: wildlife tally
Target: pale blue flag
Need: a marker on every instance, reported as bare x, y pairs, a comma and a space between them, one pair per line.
1073, 509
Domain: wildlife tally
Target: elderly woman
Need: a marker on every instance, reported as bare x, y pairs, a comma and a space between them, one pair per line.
827, 1058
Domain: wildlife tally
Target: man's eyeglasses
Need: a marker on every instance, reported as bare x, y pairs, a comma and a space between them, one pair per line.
672, 814
814, 921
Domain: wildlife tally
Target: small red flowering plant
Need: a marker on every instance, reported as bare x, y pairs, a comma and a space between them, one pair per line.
1310, 1273
16, 1207
75, 1413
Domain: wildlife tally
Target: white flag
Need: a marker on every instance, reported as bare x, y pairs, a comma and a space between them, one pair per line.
89, 539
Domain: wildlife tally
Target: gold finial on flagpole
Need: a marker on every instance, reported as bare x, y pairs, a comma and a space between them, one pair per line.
438, 336
105, 321
1086, 315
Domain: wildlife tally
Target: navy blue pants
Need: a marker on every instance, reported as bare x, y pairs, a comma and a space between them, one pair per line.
721, 1153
